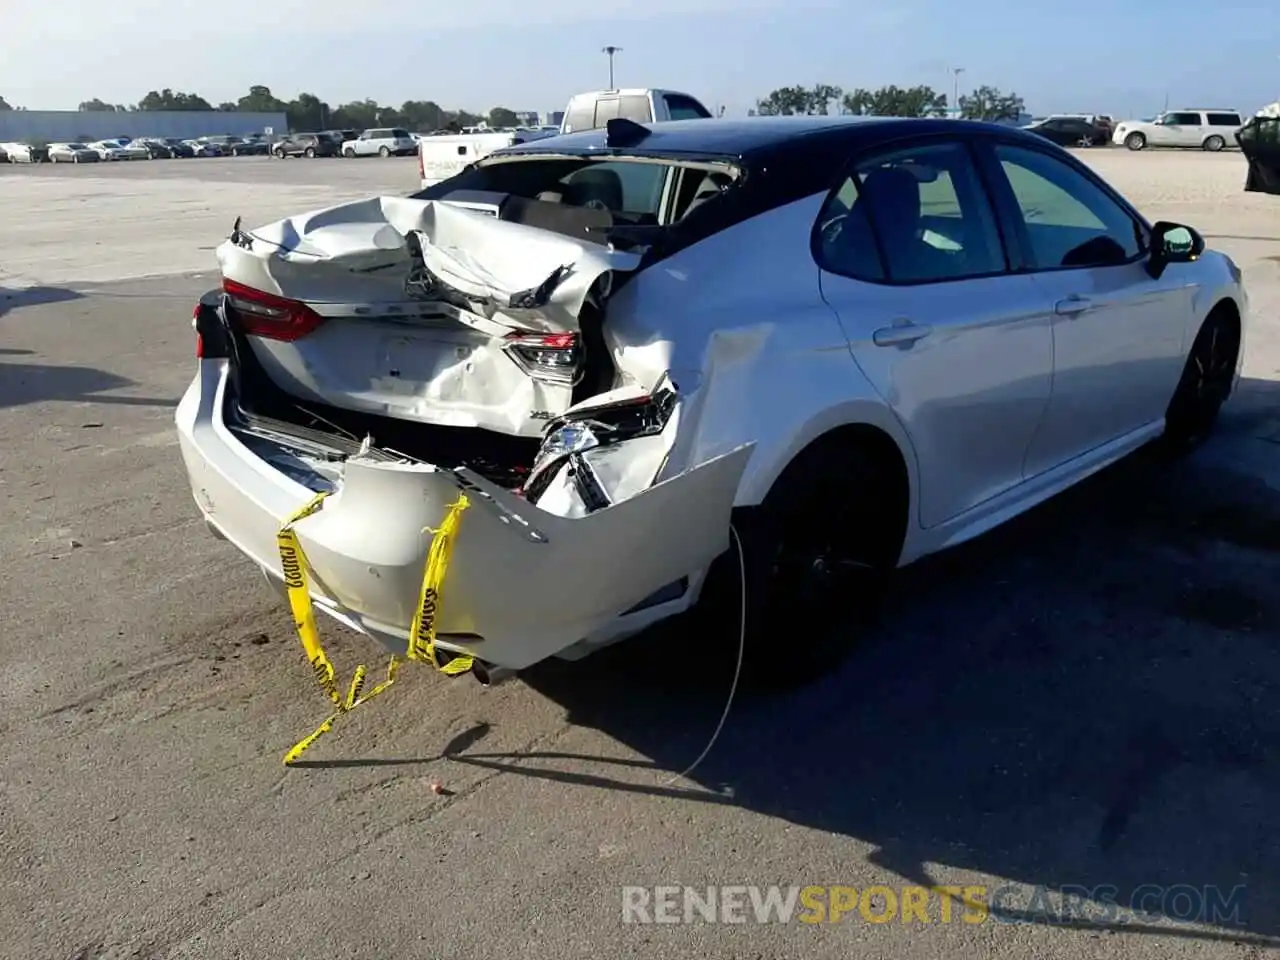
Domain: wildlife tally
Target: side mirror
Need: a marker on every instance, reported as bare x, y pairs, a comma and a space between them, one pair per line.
1172, 243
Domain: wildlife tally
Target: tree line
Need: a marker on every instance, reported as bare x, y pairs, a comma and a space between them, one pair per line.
309, 112
983, 103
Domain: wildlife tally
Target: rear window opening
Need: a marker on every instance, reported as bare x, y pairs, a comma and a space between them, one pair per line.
585, 195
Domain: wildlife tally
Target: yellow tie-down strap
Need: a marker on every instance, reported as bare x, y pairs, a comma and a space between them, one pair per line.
422, 632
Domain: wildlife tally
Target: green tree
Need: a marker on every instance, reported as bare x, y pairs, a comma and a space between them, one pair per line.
226, 107
989, 103
308, 112
422, 115
167, 99
785, 102
96, 106
894, 101
502, 117
260, 99
170, 100
821, 96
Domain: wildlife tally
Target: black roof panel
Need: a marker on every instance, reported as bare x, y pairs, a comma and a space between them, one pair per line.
740, 138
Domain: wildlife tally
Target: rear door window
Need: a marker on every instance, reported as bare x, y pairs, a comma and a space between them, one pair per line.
619, 186
400, 134
1224, 120
635, 108
581, 115
680, 107
1185, 119
923, 209
606, 110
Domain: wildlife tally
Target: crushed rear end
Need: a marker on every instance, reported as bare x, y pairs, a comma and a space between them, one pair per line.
395, 353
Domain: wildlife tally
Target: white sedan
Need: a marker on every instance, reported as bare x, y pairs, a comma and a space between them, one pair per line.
20, 152
617, 344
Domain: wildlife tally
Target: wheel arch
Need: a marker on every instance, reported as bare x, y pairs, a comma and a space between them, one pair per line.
879, 436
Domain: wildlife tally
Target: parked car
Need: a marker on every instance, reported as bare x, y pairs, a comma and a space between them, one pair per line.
176, 147
157, 148
1069, 131
341, 136
238, 146
72, 153
1194, 128
890, 343
201, 148
381, 142
114, 150
4, 154
305, 145
25, 152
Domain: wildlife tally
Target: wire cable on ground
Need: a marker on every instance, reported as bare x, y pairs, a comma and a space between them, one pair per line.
737, 670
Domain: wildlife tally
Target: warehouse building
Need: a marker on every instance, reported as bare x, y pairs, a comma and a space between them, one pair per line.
52, 126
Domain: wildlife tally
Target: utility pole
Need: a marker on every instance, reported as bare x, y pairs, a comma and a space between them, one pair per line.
610, 51
955, 88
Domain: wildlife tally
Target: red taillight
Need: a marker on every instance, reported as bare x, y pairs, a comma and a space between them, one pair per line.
267, 315
546, 356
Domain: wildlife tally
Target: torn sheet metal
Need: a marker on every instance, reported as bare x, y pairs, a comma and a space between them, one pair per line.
362, 258
526, 581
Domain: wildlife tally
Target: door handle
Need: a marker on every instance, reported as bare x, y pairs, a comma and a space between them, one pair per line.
1072, 306
900, 334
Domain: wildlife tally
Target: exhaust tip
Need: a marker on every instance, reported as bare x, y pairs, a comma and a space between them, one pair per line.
490, 675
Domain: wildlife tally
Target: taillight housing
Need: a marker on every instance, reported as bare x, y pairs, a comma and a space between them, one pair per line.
553, 357
262, 314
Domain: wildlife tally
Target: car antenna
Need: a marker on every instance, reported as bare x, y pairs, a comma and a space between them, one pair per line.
621, 132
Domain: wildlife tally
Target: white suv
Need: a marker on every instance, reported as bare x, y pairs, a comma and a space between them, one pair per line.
385, 142
1203, 129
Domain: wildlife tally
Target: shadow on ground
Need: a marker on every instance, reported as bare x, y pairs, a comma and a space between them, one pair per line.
22, 383
12, 299
1083, 699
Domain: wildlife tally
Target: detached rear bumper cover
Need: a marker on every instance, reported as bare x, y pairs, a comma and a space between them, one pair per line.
523, 584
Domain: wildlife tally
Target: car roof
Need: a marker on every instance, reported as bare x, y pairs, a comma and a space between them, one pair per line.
756, 135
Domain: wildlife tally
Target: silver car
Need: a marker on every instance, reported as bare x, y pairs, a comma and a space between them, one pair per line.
72, 153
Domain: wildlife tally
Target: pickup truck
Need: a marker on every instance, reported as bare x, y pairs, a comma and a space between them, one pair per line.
441, 157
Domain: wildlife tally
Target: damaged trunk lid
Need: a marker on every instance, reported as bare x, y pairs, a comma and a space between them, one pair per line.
423, 310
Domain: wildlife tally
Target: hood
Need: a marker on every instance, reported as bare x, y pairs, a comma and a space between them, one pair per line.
428, 256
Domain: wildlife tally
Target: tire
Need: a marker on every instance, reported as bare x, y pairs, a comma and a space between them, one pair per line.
349, 153
1206, 382
309, 153
52, 158
278, 154
1214, 143
1135, 141
817, 555
384, 152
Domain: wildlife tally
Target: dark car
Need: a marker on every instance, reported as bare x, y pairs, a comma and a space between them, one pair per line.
158, 149
306, 145
237, 147
177, 149
1259, 141
342, 136
1070, 131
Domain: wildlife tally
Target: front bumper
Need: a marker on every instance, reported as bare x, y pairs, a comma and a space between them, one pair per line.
523, 584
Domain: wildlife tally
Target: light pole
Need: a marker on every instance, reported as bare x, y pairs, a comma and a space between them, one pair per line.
610, 51
955, 88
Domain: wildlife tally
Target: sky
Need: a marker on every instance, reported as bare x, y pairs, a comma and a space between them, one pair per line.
1122, 57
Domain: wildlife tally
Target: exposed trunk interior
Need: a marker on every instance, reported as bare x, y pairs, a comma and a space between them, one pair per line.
259, 406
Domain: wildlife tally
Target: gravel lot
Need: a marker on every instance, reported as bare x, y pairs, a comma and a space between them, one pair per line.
1084, 698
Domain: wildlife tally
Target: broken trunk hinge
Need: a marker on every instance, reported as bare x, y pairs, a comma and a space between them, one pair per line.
239, 237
